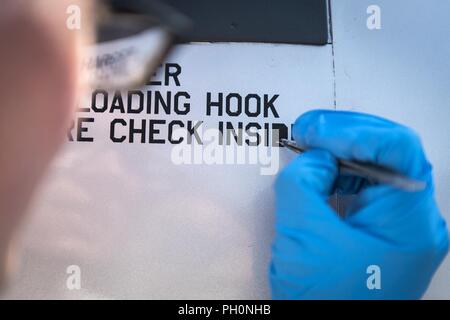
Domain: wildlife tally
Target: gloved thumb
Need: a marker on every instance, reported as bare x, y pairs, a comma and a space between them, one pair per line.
302, 189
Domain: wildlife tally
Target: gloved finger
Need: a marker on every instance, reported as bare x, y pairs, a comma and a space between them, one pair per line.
363, 137
302, 189
305, 224
409, 219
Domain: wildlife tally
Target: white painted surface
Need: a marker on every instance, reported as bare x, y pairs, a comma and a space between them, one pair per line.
401, 72
139, 226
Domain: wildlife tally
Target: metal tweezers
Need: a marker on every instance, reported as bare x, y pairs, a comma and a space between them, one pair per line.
371, 172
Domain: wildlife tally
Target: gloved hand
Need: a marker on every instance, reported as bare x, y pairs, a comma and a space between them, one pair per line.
318, 255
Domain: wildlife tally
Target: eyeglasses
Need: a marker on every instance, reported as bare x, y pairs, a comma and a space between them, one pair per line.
132, 38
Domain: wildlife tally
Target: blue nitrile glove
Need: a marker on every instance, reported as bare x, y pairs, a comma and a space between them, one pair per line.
317, 254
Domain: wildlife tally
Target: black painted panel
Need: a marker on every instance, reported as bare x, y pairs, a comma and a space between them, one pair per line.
275, 21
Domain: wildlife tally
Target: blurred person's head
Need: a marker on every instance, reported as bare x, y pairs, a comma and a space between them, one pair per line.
38, 91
